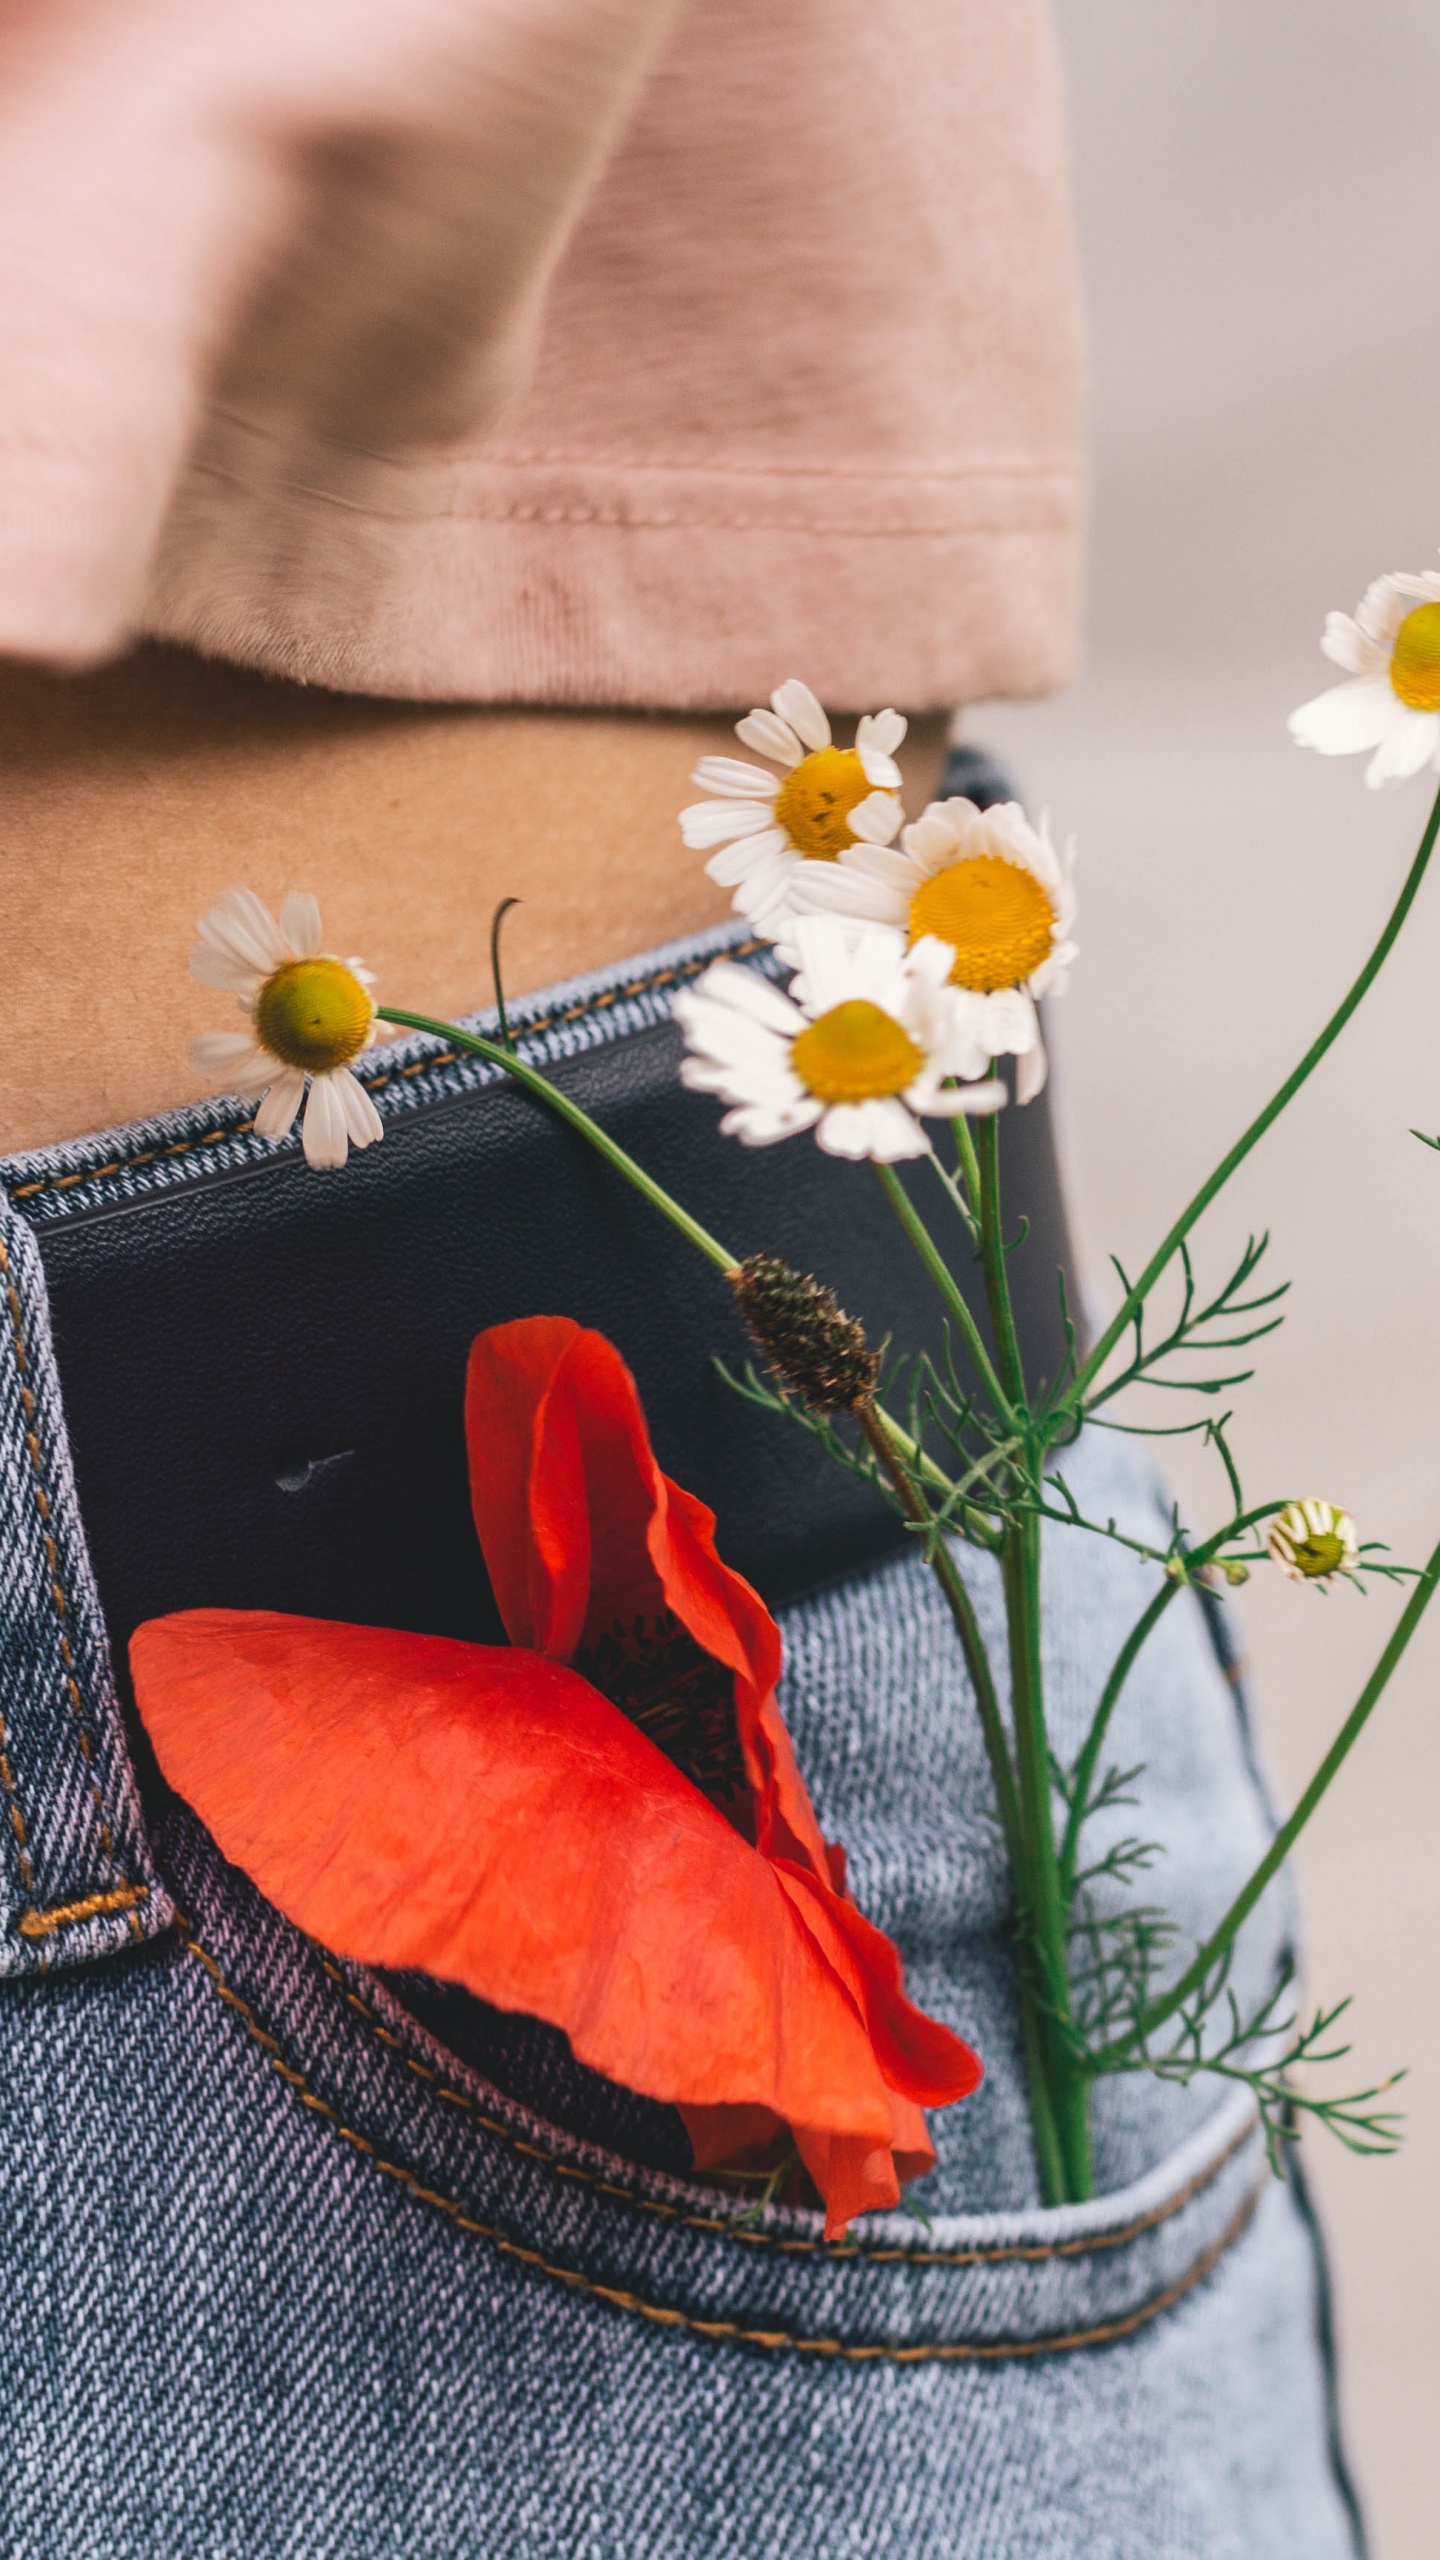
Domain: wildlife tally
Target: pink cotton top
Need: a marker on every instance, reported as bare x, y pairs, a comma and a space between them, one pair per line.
553, 351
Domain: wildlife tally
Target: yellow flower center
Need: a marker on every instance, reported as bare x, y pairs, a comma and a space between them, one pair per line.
1415, 659
855, 1053
814, 802
313, 1014
996, 916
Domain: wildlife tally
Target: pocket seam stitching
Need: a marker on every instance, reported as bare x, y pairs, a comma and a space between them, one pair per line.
664, 2315
999, 2253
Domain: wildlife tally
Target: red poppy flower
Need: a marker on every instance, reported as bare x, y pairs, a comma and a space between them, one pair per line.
601, 1824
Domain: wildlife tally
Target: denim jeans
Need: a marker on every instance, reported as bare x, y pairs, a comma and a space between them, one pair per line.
295, 2270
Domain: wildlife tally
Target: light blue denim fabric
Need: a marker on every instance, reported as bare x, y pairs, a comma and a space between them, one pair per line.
286, 2280
76, 1875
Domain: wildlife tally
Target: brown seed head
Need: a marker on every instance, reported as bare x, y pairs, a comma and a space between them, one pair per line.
813, 1347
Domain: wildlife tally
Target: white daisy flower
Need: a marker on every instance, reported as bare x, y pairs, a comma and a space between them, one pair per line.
826, 799
310, 1015
991, 887
1390, 651
1312, 1541
866, 1038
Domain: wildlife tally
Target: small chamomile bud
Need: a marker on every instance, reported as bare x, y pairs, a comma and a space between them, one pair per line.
1312, 1541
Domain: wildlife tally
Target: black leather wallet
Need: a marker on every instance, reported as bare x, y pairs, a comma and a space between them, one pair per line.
263, 1370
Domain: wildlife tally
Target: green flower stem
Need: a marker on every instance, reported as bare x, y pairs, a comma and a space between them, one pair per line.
968, 1161
1049, 2154
952, 1295
1042, 1902
1083, 1777
992, 1263
1136, 1297
540, 1085
962, 1609
1043, 1907
915, 1456
1049, 2150
1285, 1838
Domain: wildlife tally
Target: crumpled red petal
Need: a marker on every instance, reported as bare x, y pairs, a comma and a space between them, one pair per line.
852, 2173
539, 1572
484, 1815
579, 1527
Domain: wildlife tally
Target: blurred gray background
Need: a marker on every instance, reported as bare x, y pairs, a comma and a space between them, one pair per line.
1259, 195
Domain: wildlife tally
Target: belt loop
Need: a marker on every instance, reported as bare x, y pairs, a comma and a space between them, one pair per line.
77, 1880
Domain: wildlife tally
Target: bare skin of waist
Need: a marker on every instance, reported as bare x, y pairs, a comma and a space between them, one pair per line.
134, 795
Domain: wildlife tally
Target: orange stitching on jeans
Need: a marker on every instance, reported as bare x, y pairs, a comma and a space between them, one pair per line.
977, 2351
58, 1600
608, 997
17, 1818
39, 1924
127, 1164
839, 2253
